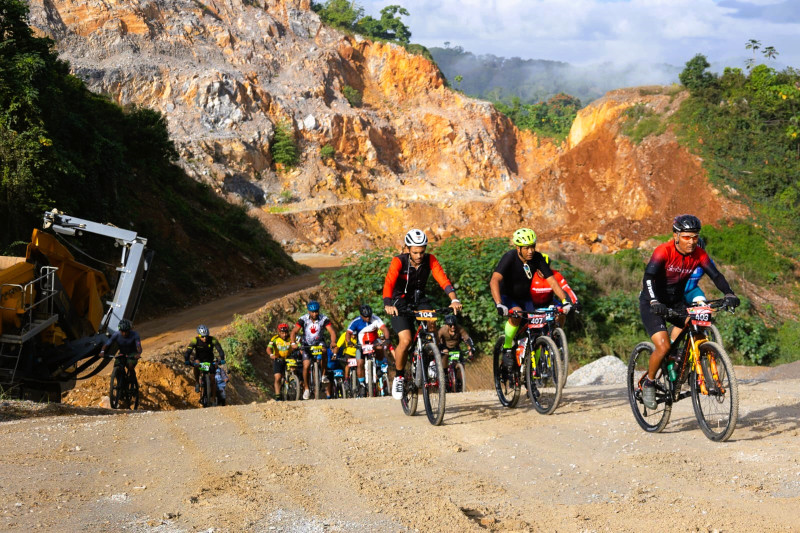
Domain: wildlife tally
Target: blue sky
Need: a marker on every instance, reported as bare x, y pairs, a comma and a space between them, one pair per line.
585, 32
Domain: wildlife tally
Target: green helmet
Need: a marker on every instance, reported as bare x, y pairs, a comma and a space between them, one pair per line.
524, 237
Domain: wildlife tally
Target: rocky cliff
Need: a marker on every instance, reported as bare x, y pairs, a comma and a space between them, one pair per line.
415, 153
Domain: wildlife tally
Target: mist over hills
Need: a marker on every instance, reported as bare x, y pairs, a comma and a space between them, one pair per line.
533, 80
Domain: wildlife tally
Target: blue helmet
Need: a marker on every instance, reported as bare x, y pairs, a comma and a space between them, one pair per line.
312, 306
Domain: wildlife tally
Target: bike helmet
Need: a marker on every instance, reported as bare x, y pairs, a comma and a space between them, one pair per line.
688, 223
283, 326
202, 330
524, 237
416, 237
312, 306
365, 310
124, 325
451, 320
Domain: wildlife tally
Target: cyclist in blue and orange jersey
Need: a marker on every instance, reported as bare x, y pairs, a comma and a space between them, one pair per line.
313, 323
511, 284
128, 343
664, 286
366, 322
404, 287
693, 293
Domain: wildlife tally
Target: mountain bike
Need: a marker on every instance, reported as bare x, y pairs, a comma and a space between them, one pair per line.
694, 359
377, 377
352, 383
290, 383
208, 383
340, 388
314, 375
426, 371
456, 375
123, 387
536, 359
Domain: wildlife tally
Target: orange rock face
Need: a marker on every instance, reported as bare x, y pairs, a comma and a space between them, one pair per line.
415, 153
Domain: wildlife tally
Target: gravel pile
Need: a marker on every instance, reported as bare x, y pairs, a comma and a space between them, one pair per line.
608, 370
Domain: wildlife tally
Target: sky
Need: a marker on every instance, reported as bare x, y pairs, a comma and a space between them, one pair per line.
587, 32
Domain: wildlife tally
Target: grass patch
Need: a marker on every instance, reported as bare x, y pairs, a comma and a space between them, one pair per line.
640, 121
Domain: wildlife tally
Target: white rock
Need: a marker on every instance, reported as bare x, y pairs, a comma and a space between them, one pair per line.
608, 370
310, 123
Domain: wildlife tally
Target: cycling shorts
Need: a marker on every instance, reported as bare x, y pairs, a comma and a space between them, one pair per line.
407, 323
526, 305
307, 353
279, 366
654, 323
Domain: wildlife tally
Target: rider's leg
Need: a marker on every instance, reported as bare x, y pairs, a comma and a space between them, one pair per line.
511, 328
306, 366
403, 342
278, 376
661, 341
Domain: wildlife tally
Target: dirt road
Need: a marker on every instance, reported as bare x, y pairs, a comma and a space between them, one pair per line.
361, 465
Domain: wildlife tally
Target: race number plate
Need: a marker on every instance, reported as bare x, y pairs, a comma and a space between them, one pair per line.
352, 362
205, 367
455, 356
537, 321
367, 348
701, 316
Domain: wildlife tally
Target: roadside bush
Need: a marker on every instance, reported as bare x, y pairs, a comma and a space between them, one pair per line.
746, 337
640, 121
284, 147
352, 95
327, 152
246, 338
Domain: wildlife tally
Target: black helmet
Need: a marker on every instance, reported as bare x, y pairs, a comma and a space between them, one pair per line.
365, 310
451, 320
124, 325
689, 223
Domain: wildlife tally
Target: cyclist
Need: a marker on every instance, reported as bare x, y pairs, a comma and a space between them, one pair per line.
451, 335
222, 379
278, 350
366, 322
127, 342
663, 287
542, 293
693, 293
203, 346
404, 288
312, 324
511, 280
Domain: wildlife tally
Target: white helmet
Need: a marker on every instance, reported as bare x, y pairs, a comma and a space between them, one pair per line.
416, 237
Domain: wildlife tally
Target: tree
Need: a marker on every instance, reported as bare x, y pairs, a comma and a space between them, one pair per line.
694, 77
770, 52
342, 14
284, 147
458, 79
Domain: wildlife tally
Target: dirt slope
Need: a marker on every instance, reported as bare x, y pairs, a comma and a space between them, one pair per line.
361, 465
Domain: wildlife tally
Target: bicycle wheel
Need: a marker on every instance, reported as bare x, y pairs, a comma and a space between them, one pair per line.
341, 390
369, 369
206, 385
354, 392
383, 381
713, 335
292, 388
410, 390
560, 338
434, 391
542, 375
461, 378
718, 409
506, 382
650, 420
115, 387
315, 380
133, 393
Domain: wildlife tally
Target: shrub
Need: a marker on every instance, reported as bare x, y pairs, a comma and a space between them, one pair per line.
327, 152
284, 147
640, 122
352, 95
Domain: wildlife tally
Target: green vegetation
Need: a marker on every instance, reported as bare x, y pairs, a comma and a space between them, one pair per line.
550, 119
327, 152
63, 146
284, 146
640, 121
353, 96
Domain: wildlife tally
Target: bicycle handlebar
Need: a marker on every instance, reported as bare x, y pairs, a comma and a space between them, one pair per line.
713, 304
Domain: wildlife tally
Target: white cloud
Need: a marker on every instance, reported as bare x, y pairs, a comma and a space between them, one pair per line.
593, 31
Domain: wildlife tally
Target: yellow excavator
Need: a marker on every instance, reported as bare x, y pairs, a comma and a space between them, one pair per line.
53, 317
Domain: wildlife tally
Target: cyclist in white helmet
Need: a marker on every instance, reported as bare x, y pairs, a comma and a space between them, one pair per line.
405, 287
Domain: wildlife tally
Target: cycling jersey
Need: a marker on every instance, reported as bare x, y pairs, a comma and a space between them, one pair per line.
403, 279
668, 271
280, 347
312, 329
130, 345
359, 326
452, 342
204, 350
350, 351
515, 283
542, 293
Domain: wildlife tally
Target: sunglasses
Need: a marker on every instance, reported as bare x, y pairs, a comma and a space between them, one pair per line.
527, 270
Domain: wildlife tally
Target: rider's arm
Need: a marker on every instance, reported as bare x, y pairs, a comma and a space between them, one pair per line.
441, 277
494, 286
269, 349
556, 288
654, 266
385, 331
567, 289
218, 347
348, 335
332, 333
391, 279
138, 341
715, 275
293, 334
188, 355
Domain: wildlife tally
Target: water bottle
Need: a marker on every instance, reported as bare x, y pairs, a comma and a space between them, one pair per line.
673, 375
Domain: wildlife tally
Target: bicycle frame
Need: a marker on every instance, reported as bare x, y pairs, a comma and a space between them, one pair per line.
536, 324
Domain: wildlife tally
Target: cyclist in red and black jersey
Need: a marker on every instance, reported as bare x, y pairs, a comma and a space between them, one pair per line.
663, 286
408, 274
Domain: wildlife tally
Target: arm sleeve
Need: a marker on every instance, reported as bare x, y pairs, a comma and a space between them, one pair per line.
715, 275
567, 289
219, 349
190, 348
653, 267
391, 279
439, 275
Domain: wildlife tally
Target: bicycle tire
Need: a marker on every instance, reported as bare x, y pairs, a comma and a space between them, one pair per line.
315, 386
133, 393
507, 387
206, 397
410, 391
716, 419
715, 336
651, 421
114, 388
560, 338
460, 378
384, 385
544, 388
369, 371
292, 388
434, 392
341, 390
